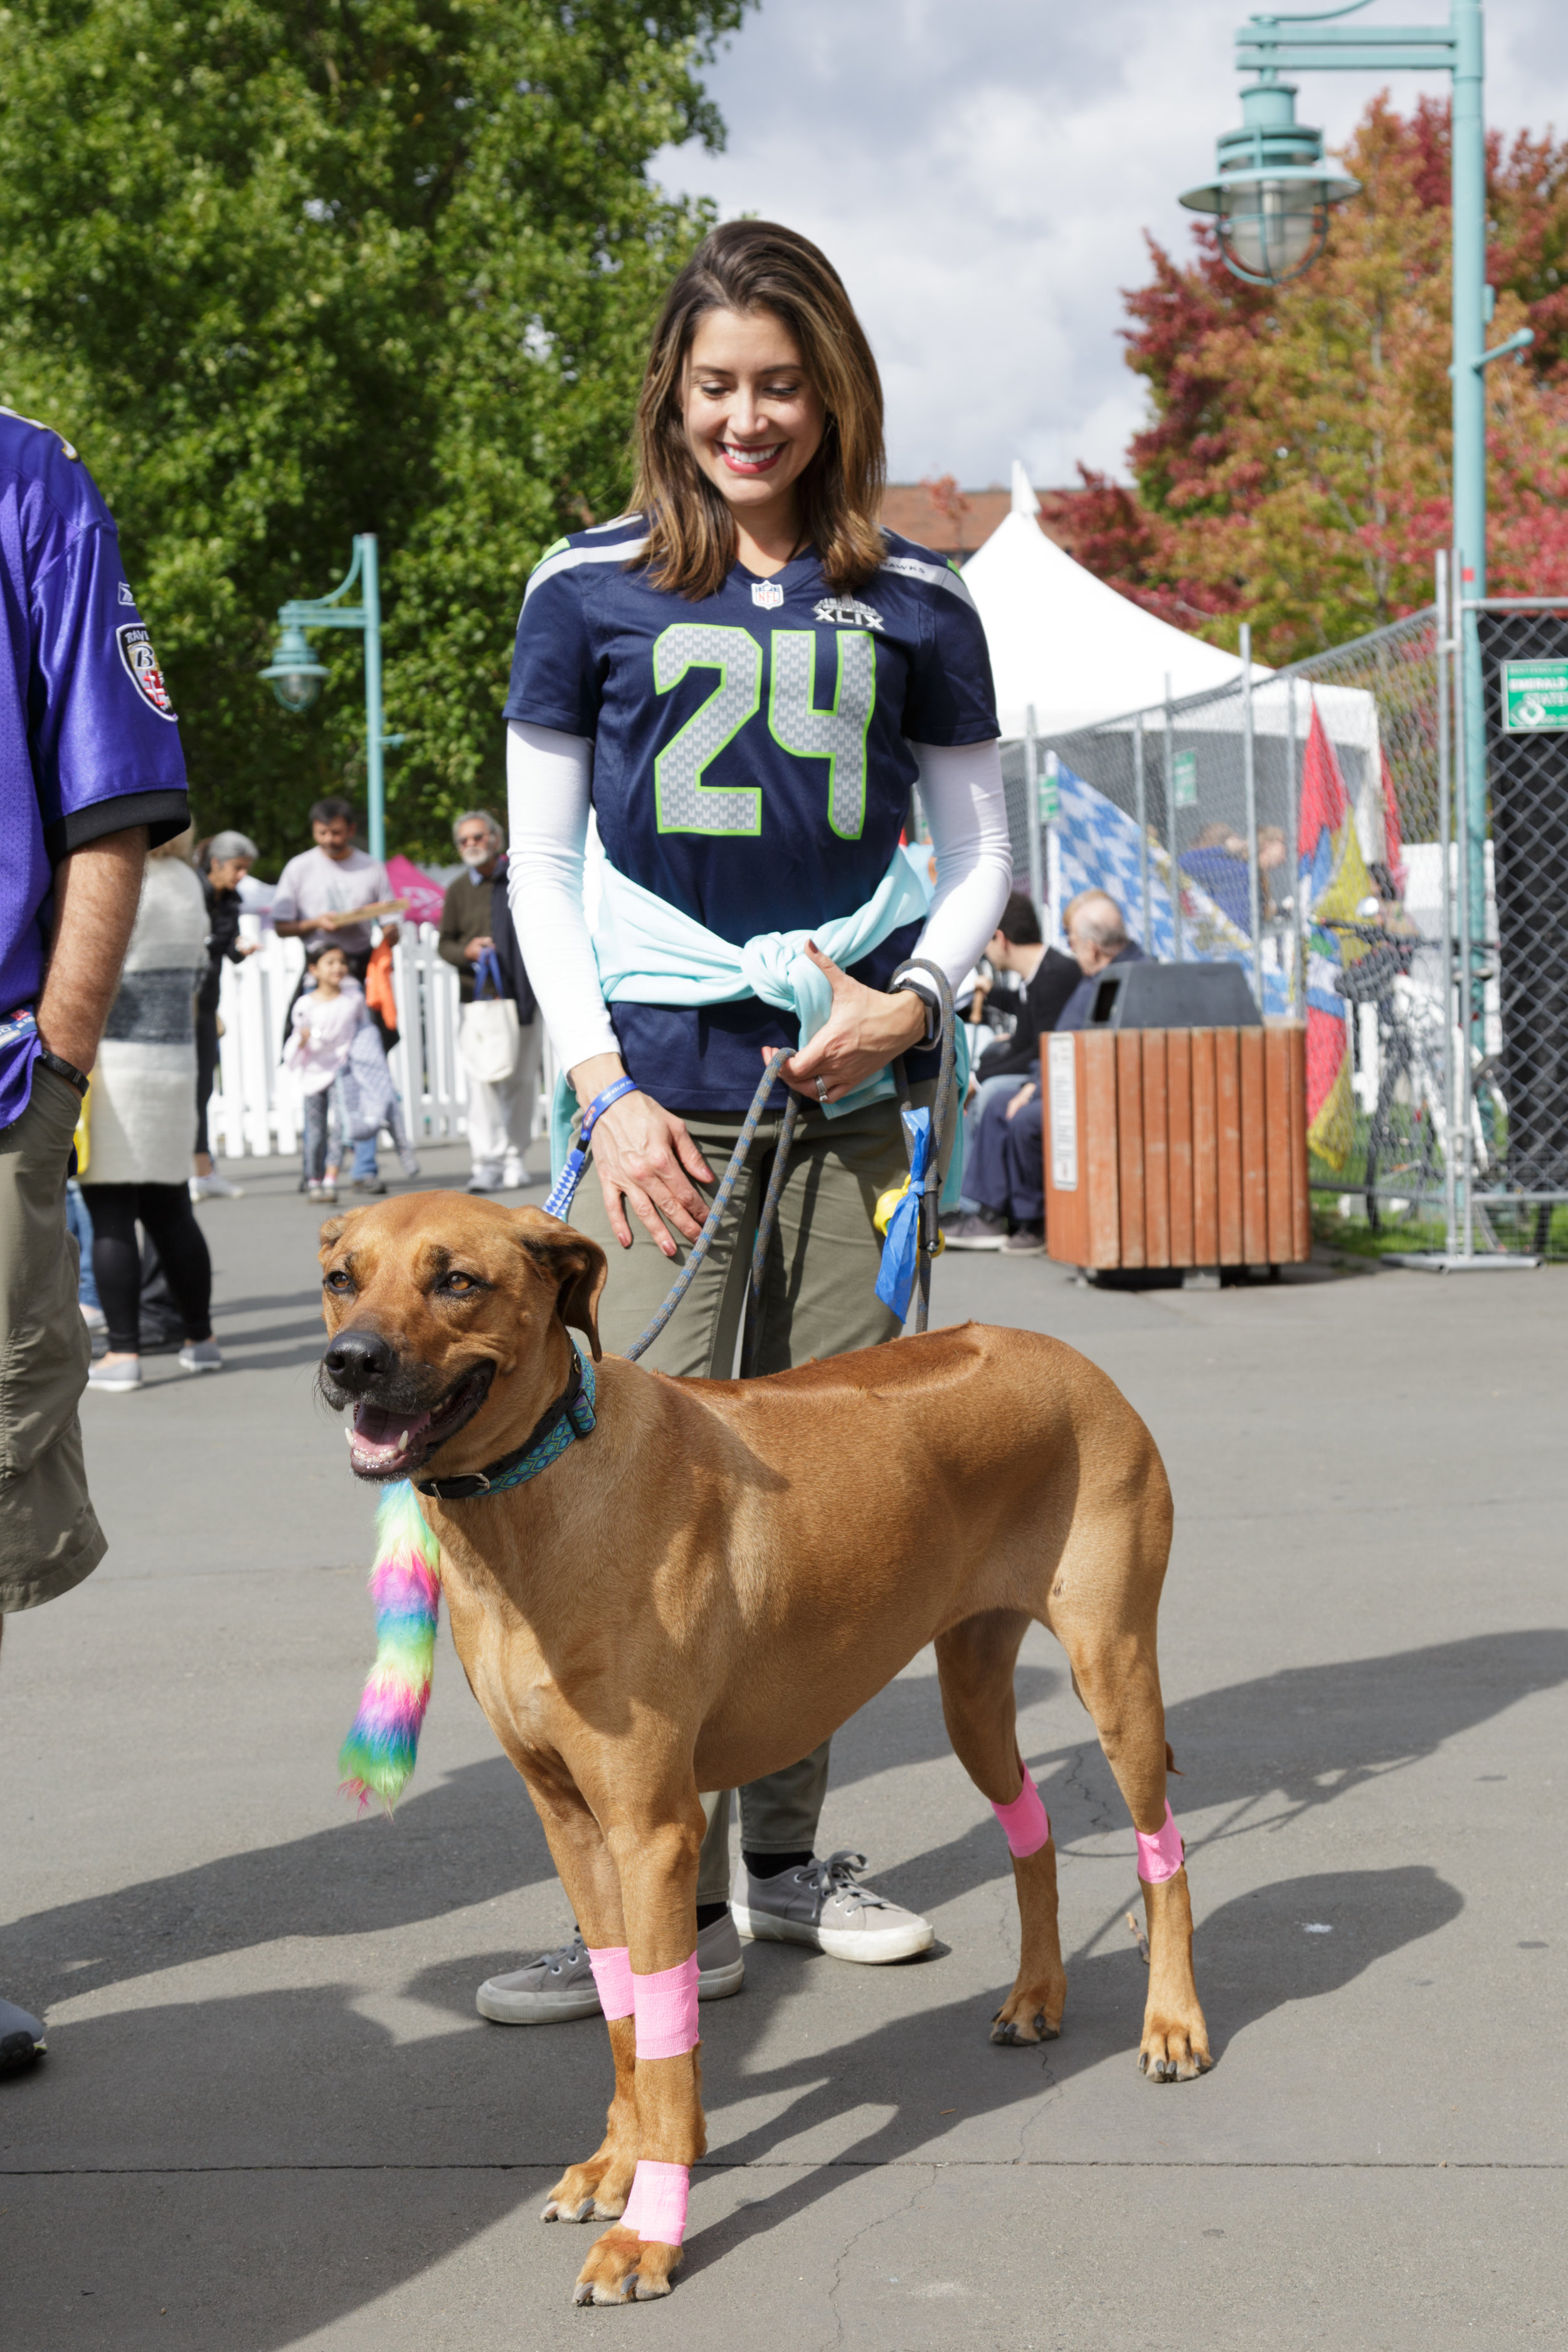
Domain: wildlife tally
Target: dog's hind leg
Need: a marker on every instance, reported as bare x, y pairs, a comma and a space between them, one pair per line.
975, 1662
1117, 1674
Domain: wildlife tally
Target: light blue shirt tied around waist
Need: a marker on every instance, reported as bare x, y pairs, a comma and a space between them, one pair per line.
648, 953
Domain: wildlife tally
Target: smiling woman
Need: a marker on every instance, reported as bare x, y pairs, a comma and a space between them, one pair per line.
747, 677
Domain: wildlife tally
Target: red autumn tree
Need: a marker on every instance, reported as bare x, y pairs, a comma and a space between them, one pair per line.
1295, 468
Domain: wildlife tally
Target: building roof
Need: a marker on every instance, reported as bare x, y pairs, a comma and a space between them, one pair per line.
937, 514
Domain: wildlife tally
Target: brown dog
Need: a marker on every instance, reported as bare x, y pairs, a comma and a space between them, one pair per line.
724, 1571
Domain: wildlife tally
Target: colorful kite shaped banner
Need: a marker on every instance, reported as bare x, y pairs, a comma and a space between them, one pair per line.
1335, 884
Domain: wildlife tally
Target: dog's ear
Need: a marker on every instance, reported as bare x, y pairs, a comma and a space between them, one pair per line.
576, 1265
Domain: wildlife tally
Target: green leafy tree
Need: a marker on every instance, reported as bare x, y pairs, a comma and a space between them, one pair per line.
289, 269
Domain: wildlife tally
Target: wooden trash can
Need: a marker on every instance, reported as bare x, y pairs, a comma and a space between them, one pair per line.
1176, 1147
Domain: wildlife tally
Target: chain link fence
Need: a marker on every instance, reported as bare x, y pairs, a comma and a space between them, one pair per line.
1299, 823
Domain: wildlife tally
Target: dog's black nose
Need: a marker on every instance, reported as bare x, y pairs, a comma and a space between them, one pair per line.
355, 1359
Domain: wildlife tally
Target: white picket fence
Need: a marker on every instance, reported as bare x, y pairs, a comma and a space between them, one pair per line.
256, 1106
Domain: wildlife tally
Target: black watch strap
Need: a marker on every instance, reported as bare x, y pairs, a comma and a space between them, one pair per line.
63, 1069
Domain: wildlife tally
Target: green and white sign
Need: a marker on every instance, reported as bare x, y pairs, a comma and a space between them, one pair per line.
1050, 789
1535, 697
1184, 779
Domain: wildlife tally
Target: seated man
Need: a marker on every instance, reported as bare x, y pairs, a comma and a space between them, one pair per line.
1048, 978
1005, 1169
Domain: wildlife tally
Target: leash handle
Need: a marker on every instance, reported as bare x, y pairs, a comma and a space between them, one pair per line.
563, 1192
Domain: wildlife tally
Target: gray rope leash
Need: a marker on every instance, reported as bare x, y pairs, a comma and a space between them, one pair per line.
731, 1177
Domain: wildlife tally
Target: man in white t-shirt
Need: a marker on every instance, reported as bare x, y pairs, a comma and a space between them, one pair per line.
315, 899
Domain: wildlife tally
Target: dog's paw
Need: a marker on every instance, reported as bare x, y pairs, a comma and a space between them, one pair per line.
623, 2268
595, 2191
1171, 2053
1031, 2013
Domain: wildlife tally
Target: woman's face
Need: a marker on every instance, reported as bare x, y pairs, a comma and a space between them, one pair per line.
753, 419
227, 873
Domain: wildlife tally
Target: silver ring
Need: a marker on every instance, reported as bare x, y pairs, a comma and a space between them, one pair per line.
822, 1090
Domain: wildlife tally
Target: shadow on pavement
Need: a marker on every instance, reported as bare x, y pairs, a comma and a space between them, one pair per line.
330, 2127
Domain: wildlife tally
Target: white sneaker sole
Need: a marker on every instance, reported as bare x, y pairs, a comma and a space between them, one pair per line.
560, 2009
872, 1946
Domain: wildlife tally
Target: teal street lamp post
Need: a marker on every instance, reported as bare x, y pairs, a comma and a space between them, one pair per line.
1270, 198
296, 674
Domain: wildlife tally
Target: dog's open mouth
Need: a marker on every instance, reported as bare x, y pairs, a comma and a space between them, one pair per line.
387, 1442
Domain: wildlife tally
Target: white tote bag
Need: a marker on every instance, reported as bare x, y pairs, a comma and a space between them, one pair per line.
489, 1036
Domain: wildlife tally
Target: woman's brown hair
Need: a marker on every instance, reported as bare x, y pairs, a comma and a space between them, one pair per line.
749, 266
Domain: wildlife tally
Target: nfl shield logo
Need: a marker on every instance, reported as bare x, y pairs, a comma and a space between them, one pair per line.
767, 594
142, 667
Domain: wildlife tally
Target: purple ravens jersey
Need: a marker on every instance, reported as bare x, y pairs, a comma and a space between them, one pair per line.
751, 760
88, 742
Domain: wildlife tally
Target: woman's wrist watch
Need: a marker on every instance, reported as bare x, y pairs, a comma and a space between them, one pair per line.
928, 1005
63, 1069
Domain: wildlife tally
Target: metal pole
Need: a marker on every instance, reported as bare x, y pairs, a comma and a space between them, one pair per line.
1171, 823
375, 780
1140, 795
1293, 805
1445, 828
1032, 784
1462, 783
1249, 785
1469, 307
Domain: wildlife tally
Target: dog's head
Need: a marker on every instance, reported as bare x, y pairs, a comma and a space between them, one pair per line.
447, 1315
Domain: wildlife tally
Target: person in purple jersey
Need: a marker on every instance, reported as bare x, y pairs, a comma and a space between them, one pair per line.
745, 679
91, 775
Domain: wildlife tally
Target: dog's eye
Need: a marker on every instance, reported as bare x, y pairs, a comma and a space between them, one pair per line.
459, 1285
338, 1280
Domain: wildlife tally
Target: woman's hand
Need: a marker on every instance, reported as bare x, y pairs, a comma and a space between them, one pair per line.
646, 1159
866, 1030
1025, 1093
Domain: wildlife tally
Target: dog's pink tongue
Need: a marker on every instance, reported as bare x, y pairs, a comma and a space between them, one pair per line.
380, 1438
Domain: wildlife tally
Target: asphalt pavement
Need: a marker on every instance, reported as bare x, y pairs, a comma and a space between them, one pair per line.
270, 2116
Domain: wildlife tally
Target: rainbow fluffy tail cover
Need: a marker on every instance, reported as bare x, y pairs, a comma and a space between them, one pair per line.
378, 1755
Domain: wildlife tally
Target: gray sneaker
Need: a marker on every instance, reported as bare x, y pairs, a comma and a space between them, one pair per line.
820, 1905
21, 2042
559, 1985
980, 1230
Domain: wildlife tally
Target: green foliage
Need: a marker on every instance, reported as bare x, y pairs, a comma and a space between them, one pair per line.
287, 269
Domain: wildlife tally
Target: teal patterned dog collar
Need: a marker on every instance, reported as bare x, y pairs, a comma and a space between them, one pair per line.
572, 1416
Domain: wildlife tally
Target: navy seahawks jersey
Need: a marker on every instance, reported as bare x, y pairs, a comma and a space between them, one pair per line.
751, 759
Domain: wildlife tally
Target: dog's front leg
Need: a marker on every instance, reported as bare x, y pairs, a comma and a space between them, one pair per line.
596, 2189
657, 1868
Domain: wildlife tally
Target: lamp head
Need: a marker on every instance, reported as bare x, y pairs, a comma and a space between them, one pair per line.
294, 671
1272, 196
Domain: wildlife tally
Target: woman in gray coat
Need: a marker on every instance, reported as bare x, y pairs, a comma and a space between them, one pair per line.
139, 1125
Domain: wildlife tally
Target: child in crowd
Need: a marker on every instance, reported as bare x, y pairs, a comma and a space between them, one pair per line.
336, 1051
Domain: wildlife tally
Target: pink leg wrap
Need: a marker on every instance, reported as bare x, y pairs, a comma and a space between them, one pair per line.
667, 2013
1026, 1819
1161, 1857
612, 1974
657, 2205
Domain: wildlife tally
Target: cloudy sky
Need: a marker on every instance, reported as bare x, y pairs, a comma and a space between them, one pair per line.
982, 172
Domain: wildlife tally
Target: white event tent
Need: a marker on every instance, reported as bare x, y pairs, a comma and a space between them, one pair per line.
1063, 641
1080, 654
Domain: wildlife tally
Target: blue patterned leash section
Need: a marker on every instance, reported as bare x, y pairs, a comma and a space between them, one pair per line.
564, 1189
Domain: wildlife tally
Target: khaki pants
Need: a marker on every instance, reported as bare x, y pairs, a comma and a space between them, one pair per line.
49, 1539
819, 1300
